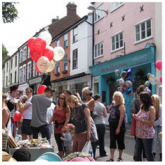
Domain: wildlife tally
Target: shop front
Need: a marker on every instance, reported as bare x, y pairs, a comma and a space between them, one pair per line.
140, 62
35, 83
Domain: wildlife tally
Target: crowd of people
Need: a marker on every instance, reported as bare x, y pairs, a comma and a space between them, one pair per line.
69, 119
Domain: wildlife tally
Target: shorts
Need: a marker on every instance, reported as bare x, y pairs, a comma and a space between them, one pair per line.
26, 127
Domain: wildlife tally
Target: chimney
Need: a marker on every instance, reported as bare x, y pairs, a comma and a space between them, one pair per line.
71, 8
55, 20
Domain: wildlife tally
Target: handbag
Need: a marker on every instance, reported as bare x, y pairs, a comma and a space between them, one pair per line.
94, 136
133, 127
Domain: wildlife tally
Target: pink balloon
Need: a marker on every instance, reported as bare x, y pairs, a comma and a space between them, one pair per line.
41, 89
159, 65
30, 42
35, 55
37, 68
39, 45
49, 53
17, 116
161, 79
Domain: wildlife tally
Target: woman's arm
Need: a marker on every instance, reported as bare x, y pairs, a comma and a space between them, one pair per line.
5, 118
51, 119
159, 120
21, 110
67, 115
104, 112
87, 114
122, 115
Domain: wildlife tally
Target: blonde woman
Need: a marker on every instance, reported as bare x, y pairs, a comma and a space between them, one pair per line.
157, 125
117, 125
82, 121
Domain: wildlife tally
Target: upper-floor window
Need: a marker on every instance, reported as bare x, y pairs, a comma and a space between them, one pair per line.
29, 70
75, 35
28, 53
15, 61
35, 73
116, 5
11, 62
98, 50
98, 14
6, 80
117, 41
58, 42
20, 74
143, 30
7, 67
58, 67
65, 62
65, 40
15, 76
75, 59
24, 73
10, 78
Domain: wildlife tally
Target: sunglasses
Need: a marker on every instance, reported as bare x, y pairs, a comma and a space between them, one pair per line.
61, 98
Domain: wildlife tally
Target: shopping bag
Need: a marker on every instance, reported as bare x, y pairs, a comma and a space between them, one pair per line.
86, 147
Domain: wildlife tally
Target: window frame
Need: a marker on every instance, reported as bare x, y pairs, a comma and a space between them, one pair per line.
57, 42
65, 62
99, 13
119, 40
96, 46
16, 61
58, 67
119, 5
65, 40
140, 30
75, 60
75, 36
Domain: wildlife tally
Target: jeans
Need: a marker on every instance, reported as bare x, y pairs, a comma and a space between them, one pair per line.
100, 142
157, 139
147, 144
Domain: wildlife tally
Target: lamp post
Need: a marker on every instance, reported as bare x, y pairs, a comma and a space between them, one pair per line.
91, 7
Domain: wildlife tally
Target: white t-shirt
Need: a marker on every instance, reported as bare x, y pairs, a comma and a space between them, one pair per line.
27, 114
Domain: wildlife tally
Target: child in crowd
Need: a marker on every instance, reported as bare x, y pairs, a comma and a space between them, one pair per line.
68, 138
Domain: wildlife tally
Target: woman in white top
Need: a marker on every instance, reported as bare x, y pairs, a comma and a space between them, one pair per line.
157, 125
99, 114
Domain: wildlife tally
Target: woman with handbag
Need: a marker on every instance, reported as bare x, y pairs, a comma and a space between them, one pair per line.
82, 121
61, 116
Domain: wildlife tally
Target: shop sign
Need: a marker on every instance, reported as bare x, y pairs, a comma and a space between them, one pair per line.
59, 84
35, 80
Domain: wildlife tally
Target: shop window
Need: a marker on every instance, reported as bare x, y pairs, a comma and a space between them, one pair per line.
98, 13
116, 5
65, 40
98, 50
143, 31
117, 41
75, 59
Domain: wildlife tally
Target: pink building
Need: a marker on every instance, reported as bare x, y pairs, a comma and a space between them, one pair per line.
125, 37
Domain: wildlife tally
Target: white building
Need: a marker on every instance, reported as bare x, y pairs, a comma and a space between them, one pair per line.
10, 72
81, 54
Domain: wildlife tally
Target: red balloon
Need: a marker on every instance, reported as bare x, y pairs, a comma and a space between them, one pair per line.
161, 79
49, 53
17, 116
159, 65
30, 42
39, 45
37, 68
41, 89
35, 55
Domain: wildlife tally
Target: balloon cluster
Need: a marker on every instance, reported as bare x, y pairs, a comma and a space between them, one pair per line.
159, 67
152, 79
125, 82
44, 55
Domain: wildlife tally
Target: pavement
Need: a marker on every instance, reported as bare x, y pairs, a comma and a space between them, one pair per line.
127, 153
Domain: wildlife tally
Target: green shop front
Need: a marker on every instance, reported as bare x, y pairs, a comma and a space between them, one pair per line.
141, 63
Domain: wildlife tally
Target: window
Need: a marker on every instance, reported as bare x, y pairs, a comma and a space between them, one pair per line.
10, 78
15, 61
24, 73
75, 35
35, 73
28, 53
15, 76
65, 40
11, 62
98, 50
29, 70
65, 62
117, 41
6, 80
116, 5
75, 59
143, 30
58, 67
7, 67
98, 14
58, 42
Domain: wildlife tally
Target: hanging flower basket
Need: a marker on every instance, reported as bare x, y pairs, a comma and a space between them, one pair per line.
64, 71
57, 74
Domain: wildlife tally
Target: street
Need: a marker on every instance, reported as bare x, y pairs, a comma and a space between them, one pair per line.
127, 153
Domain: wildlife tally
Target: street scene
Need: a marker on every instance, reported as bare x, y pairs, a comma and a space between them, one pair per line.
82, 81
